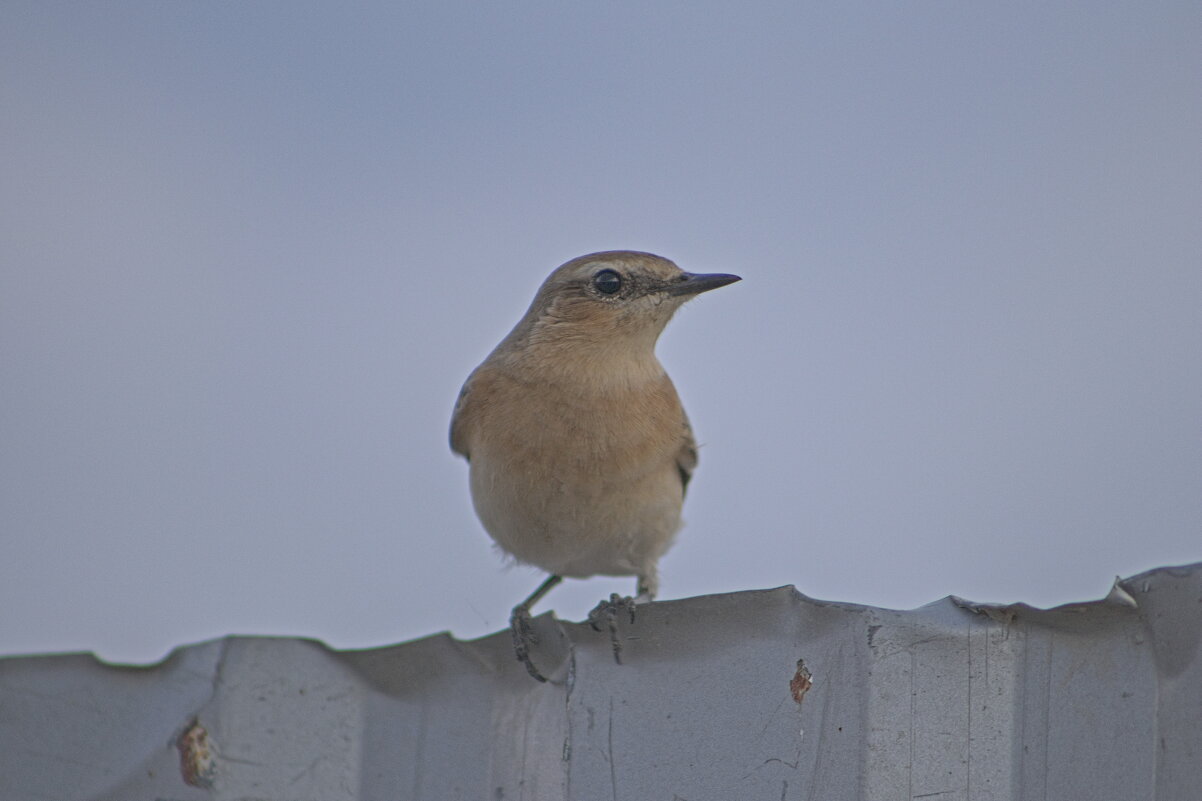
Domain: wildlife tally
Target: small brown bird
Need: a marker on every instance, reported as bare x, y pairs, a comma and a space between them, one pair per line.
578, 446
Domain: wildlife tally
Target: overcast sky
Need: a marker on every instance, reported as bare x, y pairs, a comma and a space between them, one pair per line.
250, 251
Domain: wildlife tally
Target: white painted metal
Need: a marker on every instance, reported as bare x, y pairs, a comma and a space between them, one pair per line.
953, 702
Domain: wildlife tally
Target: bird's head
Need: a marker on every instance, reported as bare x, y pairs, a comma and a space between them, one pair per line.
618, 298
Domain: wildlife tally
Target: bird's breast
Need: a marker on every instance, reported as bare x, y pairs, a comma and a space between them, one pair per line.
576, 482
571, 435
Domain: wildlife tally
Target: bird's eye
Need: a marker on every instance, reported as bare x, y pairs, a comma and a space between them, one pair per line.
607, 282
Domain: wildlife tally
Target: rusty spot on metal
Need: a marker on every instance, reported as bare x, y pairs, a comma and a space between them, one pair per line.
197, 759
801, 682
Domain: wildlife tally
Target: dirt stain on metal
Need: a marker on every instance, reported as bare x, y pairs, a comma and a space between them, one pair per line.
197, 758
801, 682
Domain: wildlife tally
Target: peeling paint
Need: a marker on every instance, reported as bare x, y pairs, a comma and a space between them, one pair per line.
801, 682
197, 759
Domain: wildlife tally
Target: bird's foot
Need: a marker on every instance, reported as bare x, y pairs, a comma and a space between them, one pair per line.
523, 638
605, 617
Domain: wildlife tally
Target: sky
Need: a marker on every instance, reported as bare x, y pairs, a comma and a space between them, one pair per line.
249, 253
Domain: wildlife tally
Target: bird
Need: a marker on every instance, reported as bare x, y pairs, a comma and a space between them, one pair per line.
578, 447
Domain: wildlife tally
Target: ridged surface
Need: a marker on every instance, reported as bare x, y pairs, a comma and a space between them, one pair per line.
754, 695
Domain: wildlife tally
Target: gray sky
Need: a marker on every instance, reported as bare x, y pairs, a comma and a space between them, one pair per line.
249, 253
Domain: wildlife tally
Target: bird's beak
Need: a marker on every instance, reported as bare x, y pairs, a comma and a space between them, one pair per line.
696, 283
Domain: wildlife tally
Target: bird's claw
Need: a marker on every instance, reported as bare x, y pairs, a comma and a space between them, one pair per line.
524, 637
605, 617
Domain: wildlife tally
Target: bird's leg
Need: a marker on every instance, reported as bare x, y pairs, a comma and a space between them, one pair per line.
648, 585
606, 612
519, 626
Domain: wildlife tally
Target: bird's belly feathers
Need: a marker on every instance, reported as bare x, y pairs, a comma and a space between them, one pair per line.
580, 490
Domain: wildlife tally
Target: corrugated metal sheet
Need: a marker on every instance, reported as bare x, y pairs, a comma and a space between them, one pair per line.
755, 695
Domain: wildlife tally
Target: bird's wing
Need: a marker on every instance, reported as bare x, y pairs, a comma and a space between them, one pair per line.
686, 457
459, 419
